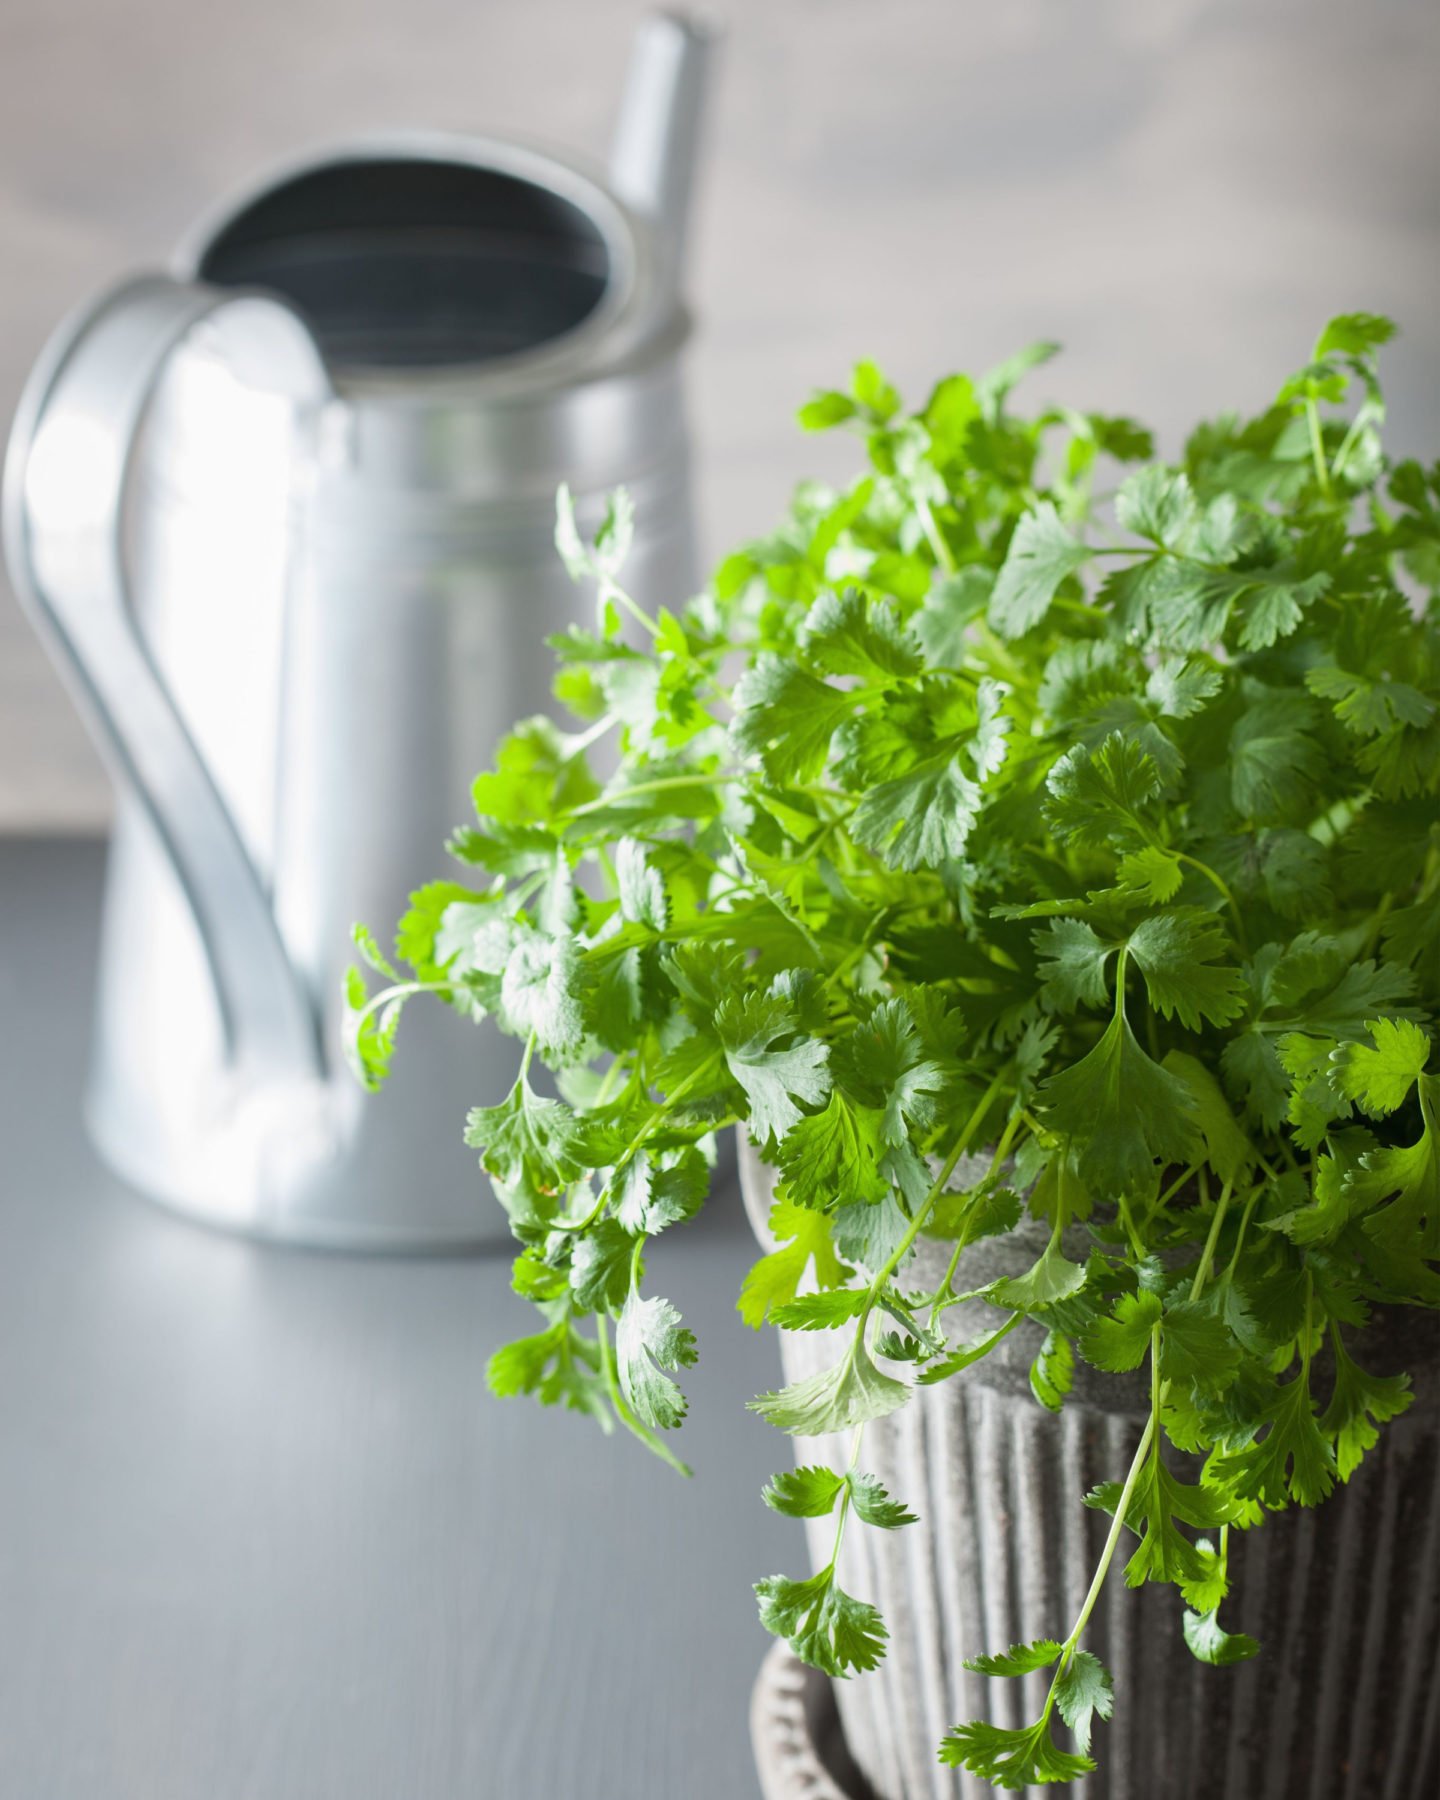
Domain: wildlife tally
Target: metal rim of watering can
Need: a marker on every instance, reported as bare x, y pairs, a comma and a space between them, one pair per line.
634, 315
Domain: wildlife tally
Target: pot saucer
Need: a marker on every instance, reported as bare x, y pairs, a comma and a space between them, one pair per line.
800, 1750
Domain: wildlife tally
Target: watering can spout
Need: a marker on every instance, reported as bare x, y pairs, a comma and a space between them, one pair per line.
652, 164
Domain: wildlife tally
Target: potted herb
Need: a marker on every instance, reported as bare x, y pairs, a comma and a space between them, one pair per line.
1043, 879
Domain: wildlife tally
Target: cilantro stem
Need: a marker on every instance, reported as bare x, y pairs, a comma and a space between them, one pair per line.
1148, 1438
922, 1212
1207, 1255
399, 990
577, 743
1170, 1192
1374, 924
610, 590
661, 784
1305, 1331
1137, 1243
1363, 417
943, 1292
933, 536
1117, 1524
657, 1117
1250, 1203
608, 1080
1317, 444
857, 952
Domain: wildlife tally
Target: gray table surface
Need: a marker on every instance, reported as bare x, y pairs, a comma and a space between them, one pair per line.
263, 1533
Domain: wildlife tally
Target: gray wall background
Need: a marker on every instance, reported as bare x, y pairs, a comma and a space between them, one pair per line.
1180, 190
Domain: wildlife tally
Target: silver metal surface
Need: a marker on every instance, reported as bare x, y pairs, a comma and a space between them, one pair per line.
299, 576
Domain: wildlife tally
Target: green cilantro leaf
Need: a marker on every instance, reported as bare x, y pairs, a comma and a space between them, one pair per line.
649, 1339
1053, 1277
1042, 554
1126, 1111
1019, 1659
1197, 1346
775, 1065
1011, 1759
871, 1503
1403, 1181
1082, 1690
787, 717
1177, 953
1209, 1643
1122, 1341
1160, 1499
832, 1156
600, 1267
541, 992
1098, 800
1291, 1461
533, 1148
804, 1493
821, 1312
922, 819
837, 1399
1380, 1078
1052, 1373
1359, 1403
822, 1624
1072, 964
846, 634
776, 1278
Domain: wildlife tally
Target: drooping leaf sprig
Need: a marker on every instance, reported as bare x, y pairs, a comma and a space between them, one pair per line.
1029, 798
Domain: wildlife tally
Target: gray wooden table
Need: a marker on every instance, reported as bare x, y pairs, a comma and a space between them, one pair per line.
263, 1534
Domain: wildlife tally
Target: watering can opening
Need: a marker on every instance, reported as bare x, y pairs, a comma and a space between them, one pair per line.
406, 262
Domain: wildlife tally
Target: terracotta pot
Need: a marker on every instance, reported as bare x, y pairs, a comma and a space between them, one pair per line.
1342, 1704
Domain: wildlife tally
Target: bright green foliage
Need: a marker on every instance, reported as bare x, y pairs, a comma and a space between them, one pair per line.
1291, 1460
1052, 1374
1019, 1659
804, 1493
811, 1492
1359, 1404
1042, 553
1160, 1504
1082, 1691
1122, 1341
776, 1278
823, 1625
989, 851
836, 1399
1127, 1110
1210, 1643
872, 1504
648, 1340
1011, 1759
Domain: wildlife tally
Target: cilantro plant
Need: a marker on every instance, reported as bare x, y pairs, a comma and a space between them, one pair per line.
996, 804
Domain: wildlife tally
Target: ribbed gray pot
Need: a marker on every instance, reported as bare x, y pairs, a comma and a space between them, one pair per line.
1343, 1702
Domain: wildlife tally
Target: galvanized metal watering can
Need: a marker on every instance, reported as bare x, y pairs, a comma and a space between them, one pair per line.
284, 519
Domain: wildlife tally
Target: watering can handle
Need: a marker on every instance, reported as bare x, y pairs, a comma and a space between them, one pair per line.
65, 481
652, 161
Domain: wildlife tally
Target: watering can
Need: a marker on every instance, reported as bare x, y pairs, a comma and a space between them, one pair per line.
283, 517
